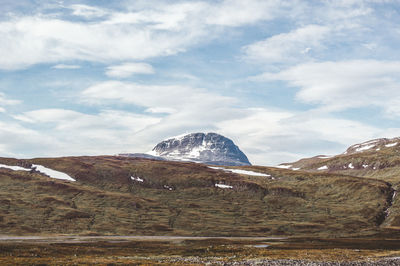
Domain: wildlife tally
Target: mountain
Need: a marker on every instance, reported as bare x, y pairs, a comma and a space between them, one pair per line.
210, 148
378, 157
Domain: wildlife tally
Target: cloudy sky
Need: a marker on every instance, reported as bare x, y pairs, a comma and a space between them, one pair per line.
284, 79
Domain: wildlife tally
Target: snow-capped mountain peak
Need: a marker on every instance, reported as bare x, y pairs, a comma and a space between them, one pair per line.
208, 148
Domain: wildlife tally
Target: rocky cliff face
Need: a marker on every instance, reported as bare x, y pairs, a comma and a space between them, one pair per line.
210, 148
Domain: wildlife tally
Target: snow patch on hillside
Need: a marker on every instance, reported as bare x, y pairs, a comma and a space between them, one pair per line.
136, 178
239, 171
223, 186
284, 166
168, 187
14, 168
364, 148
41, 169
323, 168
52, 173
391, 144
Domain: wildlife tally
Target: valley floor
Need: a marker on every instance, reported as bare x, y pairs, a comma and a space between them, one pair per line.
160, 250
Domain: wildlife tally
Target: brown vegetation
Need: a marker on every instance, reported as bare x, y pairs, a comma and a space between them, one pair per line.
181, 199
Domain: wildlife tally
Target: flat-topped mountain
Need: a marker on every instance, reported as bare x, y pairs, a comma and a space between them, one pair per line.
210, 148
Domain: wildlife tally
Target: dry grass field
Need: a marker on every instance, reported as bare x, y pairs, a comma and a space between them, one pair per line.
199, 252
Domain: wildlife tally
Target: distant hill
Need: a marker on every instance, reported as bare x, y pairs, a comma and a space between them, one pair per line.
117, 195
378, 158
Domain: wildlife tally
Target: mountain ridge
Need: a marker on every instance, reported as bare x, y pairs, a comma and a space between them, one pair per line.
356, 156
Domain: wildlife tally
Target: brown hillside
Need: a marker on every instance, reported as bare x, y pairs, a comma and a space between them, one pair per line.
181, 199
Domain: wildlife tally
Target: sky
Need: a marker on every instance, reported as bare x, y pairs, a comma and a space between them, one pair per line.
284, 79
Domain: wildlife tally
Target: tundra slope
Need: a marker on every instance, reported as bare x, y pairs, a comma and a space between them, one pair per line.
135, 196
378, 158
371, 155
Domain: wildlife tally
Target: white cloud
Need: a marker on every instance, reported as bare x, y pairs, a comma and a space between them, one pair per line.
116, 36
346, 84
287, 47
165, 110
106, 132
5, 101
275, 136
150, 96
128, 69
267, 136
64, 66
145, 31
108, 119
87, 11
45, 40
237, 12
23, 142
